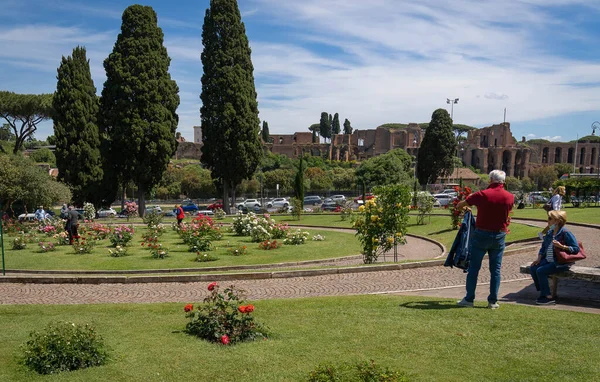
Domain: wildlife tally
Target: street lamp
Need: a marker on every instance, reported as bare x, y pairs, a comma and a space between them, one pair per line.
451, 102
596, 125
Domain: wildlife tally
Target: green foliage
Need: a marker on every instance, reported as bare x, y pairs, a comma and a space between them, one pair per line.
89, 212
5, 133
527, 184
297, 207
265, 132
23, 112
229, 114
64, 346
360, 372
342, 178
324, 125
44, 155
76, 128
390, 168
152, 219
224, 317
347, 127
543, 177
513, 184
424, 206
538, 140
335, 125
317, 179
19, 243
282, 177
299, 184
197, 182
562, 168
139, 102
437, 151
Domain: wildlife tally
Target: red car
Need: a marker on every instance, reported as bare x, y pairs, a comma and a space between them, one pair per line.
215, 205
367, 197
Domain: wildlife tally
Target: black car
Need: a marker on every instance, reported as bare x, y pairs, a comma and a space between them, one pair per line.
312, 200
330, 205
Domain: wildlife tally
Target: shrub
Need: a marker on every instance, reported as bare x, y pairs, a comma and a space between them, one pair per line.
318, 238
62, 238
19, 243
64, 346
99, 231
152, 218
205, 257
269, 244
89, 212
297, 208
219, 213
121, 235
157, 251
346, 211
425, 204
296, 238
199, 243
119, 251
223, 317
46, 247
83, 246
360, 372
456, 216
237, 251
241, 223
47, 229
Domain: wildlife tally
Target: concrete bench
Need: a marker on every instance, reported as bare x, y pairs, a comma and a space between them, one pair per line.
575, 273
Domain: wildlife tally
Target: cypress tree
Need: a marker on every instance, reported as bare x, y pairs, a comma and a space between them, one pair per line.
324, 125
232, 147
75, 107
437, 151
265, 132
347, 127
139, 102
335, 126
299, 182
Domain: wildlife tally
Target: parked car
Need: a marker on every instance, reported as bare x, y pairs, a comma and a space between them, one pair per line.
312, 200
537, 197
206, 213
436, 202
26, 217
359, 198
330, 205
249, 203
444, 199
106, 213
339, 199
216, 204
189, 206
151, 209
170, 213
450, 191
243, 209
278, 203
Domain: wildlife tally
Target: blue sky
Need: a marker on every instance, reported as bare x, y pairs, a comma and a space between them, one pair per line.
373, 62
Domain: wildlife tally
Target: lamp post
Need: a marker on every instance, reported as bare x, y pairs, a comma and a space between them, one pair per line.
596, 125
451, 102
416, 142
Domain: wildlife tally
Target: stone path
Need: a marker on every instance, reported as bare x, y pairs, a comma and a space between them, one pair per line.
446, 282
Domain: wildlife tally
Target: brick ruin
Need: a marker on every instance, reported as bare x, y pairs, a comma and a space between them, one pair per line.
486, 149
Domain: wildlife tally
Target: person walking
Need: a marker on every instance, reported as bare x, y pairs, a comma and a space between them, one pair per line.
72, 224
494, 205
180, 214
558, 237
555, 204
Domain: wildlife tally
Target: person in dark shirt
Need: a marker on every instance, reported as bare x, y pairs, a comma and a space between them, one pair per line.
72, 224
494, 205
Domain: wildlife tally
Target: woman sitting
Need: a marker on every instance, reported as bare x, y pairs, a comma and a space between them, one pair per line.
557, 237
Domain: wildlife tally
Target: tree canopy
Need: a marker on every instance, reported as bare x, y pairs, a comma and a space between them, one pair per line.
229, 114
265, 132
390, 168
335, 125
23, 112
324, 125
438, 149
75, 128
347, 127
139, 102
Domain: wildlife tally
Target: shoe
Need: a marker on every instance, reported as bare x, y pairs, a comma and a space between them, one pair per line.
541, 235
464, 302
493, 305
545, 301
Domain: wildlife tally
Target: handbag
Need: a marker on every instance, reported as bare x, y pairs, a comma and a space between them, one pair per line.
562, 257
548, 206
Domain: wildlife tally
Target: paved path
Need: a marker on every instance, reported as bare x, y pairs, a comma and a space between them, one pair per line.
446, 282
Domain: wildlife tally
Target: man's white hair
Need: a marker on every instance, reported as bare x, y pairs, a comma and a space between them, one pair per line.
497, 176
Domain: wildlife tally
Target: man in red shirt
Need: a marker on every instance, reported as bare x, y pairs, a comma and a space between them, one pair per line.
493, 208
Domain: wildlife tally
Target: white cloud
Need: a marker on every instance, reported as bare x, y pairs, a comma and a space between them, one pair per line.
556, 138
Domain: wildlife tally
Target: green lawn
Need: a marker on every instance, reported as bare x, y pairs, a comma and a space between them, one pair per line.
579, 215
336, 244
429, 339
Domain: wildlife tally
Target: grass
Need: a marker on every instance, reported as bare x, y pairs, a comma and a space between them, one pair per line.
428, 339
337, 244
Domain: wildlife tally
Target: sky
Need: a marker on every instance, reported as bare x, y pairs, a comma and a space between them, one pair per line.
373, 62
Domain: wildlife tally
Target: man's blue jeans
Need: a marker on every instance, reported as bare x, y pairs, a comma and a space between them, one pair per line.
493, 244
540, 274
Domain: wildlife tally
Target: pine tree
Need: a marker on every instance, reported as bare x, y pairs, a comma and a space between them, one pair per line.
265, 132
139, 103
75, 128
324, 125
347, 127
437, 151
335, 126
232, 147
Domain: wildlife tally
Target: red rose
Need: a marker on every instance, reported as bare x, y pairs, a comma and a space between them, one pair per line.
212, 286
249, 308
242, 309
225, 339
188, 308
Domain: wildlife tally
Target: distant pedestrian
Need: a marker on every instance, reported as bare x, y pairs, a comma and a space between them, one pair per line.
40, 214
180, 214
64, 211
494, 205
72, 224
555, 204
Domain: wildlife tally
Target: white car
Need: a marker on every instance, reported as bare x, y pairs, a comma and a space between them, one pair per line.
249, 203
444, 199
206, 212
339, 199
156, 209
106, 213
278, 203
27, 217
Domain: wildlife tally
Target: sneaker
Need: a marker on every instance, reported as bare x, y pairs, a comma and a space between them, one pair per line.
464, 302
545, 301
493, 305
541, 235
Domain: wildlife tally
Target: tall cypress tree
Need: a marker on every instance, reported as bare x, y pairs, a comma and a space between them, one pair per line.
139, 102
265, 132
299, 182
75, 107
232, 148
347, 127
324, 125
335, 125
437, 151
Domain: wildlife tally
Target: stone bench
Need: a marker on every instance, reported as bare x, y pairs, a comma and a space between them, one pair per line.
575, 273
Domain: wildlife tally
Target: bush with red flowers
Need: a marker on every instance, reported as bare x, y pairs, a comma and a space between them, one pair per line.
269, 244
223, 317
455, 214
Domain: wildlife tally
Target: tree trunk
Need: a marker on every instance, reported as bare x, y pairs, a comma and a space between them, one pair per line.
122, 197
232, 195
226, 203
141, 201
